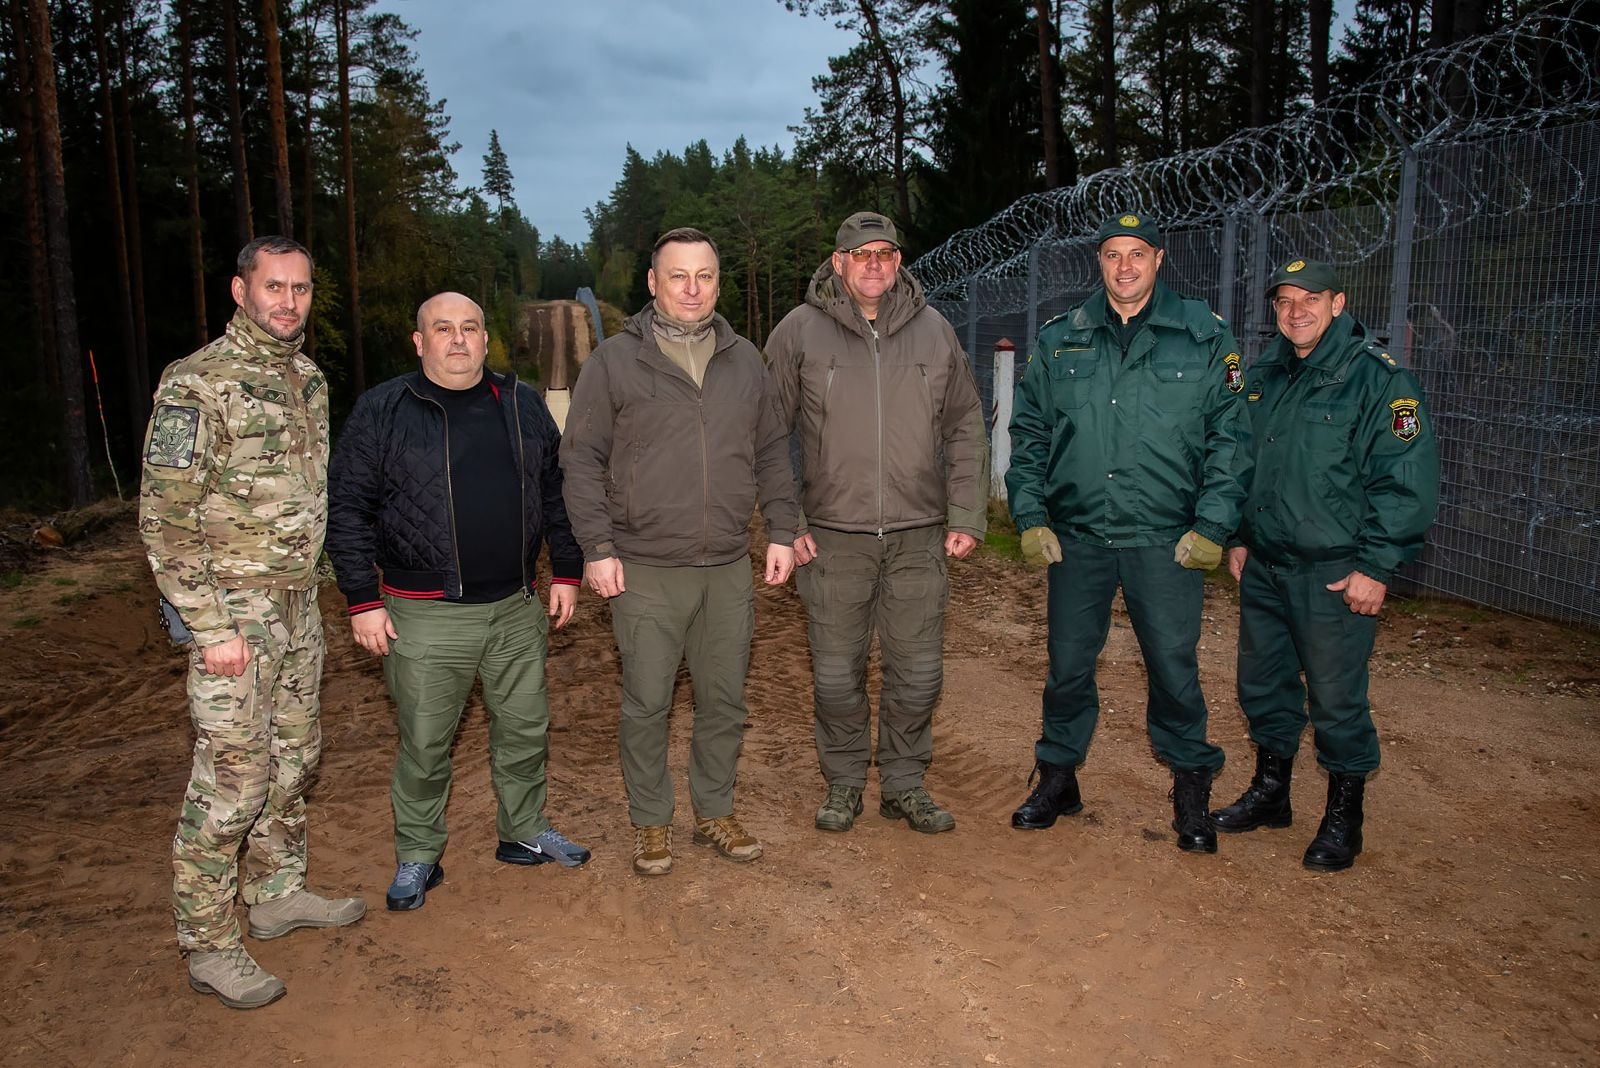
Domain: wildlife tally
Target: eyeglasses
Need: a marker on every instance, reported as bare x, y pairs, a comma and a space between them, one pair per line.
867, 255
1310, 302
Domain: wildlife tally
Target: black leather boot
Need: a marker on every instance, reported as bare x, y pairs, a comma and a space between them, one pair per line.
1191, 797
1338, 839
1056, 795
1266, 802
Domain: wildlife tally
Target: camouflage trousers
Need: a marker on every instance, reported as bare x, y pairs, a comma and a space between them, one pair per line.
257, 741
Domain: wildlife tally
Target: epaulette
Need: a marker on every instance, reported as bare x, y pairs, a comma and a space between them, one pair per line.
1381, 354
1203, 323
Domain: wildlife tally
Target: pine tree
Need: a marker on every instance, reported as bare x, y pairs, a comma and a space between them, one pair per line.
497, 180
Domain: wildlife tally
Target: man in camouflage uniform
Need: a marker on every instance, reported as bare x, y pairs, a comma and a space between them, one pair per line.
232, 509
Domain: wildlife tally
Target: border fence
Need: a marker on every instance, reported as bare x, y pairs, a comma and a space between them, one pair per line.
1460, 196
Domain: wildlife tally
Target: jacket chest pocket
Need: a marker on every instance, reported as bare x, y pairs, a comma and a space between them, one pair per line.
1176, 387
1326, 424
268, 435
1073, 371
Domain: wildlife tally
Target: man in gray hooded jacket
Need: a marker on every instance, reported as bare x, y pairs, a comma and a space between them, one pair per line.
893, 468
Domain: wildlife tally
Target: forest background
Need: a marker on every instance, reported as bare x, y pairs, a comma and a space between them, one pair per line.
145, 141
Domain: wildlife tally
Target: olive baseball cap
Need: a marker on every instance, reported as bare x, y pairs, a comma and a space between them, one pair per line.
1128, 224
1313, 276
863, 227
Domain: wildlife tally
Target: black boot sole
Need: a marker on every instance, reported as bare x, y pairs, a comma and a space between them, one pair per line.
1334, 865
1276, 823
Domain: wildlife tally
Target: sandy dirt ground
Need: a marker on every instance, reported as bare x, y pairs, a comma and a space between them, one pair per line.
1468, 933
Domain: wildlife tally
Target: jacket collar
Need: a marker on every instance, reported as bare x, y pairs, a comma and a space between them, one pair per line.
900, 304
243, 332
1166, 310
1331, 355
641, 326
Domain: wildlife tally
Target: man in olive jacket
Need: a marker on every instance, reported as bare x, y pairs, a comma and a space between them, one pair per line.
894, 470
1346, 484
1129, 464
672, 439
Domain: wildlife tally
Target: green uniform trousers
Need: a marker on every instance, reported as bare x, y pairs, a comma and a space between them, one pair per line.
895, 585
1164, 601
705, 615
257, 742
442, 647
1290, 623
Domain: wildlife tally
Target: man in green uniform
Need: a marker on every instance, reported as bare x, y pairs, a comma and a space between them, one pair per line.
672, 440
232, 509
1346, 484
1129, 463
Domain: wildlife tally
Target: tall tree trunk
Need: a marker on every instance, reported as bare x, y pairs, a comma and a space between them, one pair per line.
32, 197
1106, 45
311, 16
135, 383
897, 96
191, 163
243, 213
1049, 95
1320, 14
358, 370
140, 367
74, 425
277, 113
1261, 62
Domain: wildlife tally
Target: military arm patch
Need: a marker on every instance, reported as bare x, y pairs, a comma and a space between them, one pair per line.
172, 436
1234, 372
1405, 425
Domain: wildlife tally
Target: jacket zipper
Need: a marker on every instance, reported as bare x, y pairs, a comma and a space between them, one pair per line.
877, 373
522, 490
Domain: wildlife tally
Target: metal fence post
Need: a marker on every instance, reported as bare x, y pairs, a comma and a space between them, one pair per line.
1033, 297
1230, 257
1005, 361
972, 322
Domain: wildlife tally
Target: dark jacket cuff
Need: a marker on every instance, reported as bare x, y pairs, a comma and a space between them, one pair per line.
363, 598
568, 570
1212, 532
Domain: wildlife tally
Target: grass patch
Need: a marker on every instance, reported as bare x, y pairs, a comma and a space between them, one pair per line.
25, 622
10, 580
64, 580
1001, 539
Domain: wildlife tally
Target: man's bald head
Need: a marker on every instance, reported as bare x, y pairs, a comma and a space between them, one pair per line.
422, 311
452, 340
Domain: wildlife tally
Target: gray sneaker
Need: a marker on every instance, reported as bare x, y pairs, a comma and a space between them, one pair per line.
412, 881
234, 976
917, 809
546, 846
839, 809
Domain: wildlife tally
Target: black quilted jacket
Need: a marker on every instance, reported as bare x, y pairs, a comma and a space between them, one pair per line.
389, 505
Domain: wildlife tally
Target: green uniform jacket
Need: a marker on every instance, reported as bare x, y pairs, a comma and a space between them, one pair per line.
1347, 466
234, 493
1137, 449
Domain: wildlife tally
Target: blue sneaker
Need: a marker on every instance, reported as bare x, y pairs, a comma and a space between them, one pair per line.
412, 881
549, 845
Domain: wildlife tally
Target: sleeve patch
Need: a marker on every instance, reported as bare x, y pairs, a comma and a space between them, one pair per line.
1405, 425
173, 435
1234, 372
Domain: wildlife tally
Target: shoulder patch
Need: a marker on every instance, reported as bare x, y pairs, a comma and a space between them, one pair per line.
1233, 372
172, 436
1404, 425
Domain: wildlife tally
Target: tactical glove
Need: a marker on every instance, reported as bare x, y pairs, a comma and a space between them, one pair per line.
1040, 546
1196, 552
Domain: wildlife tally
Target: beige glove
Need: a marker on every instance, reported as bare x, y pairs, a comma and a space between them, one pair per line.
1040, 546
1197, 553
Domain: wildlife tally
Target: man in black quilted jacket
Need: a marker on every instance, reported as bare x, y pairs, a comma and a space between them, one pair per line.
442, 487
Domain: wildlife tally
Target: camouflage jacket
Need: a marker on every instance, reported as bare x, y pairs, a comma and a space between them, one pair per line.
235, 485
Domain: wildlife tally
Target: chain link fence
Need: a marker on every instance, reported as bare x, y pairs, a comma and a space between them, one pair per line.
1474, 255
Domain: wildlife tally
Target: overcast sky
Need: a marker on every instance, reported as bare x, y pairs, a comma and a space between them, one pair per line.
569, 84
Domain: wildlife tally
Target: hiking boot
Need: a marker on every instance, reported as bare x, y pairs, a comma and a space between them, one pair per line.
234, 976
1191, 798
839, 809
276, 918
917, 809
1056, 795
729, 838
652, 850
1338, 839
1265, 802
546, 846
412, 881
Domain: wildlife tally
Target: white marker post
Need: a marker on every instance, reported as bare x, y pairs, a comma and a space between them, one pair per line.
1005, 376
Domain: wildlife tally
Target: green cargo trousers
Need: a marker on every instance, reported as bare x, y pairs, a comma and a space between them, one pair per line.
705, 615
1164, 601
442, 647
257, 741
1291, 623
896, 586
